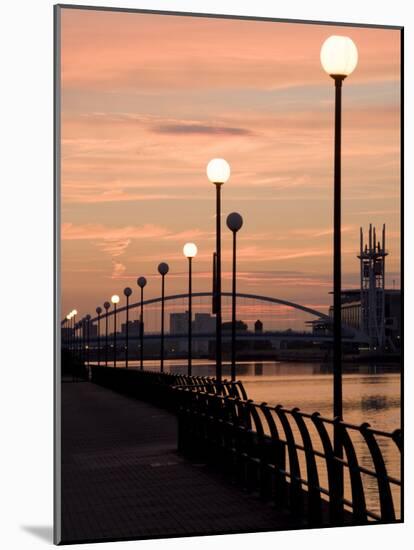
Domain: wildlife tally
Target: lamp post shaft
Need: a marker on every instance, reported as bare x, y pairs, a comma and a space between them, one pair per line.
337, 332
141, 330
99, 339
162, 324
126, 332
337, 328
190, 315
87, 342
114, 335
83, 342
74, 338
106, 338
233, 313
69, 341
218, 283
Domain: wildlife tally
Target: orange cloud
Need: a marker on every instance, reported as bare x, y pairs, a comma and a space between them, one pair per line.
118, 270
98, 231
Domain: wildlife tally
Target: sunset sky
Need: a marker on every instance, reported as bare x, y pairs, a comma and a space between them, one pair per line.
148, 100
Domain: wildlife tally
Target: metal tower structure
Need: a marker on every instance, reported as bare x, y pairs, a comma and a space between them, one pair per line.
372, 260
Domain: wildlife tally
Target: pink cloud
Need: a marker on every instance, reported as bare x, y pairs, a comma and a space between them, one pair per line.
114, 247
118, 270
99, 231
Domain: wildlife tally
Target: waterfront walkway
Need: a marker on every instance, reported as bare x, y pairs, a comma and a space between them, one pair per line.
122, 477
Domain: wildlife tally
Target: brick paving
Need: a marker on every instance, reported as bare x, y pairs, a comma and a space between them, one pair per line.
122, 477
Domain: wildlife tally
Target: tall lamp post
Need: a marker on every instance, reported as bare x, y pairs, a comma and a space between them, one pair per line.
190, 252
99, 311
75, 340
66, 326
115, 300
339, 57
218, 172
88, 321
234, 223
83, 340
107, 305
162, 270
79, 346
127, 293
73, 314
141, 282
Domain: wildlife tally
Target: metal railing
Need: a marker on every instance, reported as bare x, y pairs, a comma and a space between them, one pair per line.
287, 456
156, 387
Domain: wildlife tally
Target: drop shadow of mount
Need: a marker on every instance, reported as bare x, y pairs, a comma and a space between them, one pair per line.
44, 532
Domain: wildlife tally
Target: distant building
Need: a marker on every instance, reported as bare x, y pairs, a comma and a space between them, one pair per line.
351, 313
258, 326
372, 266
133, 327
240, 326
204, 323
179, 323
93, 330
179, 326
372, 309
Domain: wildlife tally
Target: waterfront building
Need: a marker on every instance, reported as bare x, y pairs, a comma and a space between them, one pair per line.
179, 323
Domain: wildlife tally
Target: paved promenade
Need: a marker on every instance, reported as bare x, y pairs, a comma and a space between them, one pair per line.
122, 476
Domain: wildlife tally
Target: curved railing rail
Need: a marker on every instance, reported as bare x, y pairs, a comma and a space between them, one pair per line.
287, 456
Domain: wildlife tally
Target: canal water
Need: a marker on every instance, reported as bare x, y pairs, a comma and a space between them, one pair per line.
371, 393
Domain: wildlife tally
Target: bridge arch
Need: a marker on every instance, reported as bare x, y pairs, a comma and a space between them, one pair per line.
351, 331
258, 297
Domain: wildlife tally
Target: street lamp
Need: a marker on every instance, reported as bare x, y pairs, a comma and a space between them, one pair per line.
162, 270
218, 172
190, 251
83, 341
127, 293
339, 57
234, 223
115, 300
75, 341
87, 319
79, 346
66, 325
107, 305
73, 314
99, 311
70, 322
141, 282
